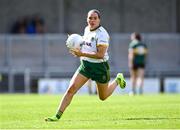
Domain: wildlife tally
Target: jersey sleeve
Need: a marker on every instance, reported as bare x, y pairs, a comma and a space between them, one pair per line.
103, 39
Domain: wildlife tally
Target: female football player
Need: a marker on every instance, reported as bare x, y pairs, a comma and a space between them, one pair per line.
137, 58
94, 64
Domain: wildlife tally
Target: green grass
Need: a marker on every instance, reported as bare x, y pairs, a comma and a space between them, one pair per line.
18, 111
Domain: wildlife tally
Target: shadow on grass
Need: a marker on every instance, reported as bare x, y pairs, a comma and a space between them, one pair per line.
138, 118
158, 118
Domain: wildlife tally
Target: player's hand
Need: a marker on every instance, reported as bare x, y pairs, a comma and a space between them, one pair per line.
75, 52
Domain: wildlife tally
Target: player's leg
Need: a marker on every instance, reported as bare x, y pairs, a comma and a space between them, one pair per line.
133, 78
106, 89
140, 79
76, 83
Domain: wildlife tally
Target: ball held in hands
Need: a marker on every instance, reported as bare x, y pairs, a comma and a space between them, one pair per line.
74, 41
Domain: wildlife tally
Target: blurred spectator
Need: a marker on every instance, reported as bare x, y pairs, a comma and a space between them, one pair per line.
39, 24
30, 28
19, 26
29, 25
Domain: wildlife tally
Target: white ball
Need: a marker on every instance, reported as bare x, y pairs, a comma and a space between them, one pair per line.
74, 41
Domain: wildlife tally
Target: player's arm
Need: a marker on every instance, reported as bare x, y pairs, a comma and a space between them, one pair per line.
101, 49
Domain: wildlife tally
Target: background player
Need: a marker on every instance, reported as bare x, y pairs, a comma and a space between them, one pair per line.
137, 59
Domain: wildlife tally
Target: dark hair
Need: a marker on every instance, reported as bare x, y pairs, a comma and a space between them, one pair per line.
95, 11
136, 36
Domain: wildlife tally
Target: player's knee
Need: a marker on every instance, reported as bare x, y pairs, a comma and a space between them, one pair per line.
71, 90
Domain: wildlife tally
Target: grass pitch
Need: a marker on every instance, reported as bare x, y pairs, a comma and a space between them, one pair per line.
18, 111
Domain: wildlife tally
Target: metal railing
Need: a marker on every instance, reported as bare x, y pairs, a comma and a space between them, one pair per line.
47, 55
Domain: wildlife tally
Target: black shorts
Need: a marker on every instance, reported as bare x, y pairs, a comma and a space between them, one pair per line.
137, 66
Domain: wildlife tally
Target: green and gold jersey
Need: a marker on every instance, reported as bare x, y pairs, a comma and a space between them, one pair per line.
139, 51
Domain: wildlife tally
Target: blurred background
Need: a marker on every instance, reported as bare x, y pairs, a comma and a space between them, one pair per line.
34, 58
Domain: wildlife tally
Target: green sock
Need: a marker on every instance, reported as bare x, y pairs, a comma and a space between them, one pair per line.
59, 114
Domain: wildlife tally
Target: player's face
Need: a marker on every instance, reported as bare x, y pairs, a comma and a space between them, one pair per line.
93, 20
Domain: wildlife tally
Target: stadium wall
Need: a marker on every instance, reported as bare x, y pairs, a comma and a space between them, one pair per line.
124, 16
